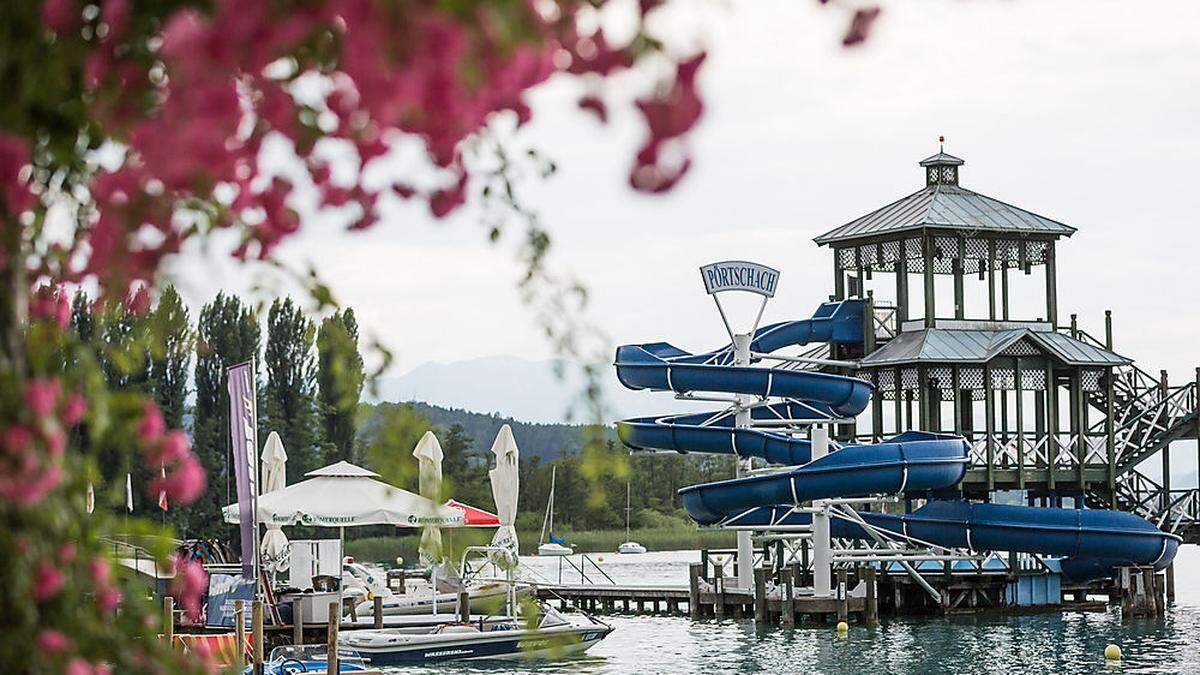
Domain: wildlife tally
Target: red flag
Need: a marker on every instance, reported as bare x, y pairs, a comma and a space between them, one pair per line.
162, 494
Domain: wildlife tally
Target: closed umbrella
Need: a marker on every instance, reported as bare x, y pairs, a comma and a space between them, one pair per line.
429, 471
505, 479
274, 477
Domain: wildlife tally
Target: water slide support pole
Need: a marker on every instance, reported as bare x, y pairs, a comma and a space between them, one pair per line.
822, 552
745, 548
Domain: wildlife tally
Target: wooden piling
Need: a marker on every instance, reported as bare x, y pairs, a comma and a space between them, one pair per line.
719, 584
377, 611
464, 607
256, 621
169, 620
788, 606
331, 628
297, 621
1171, 582
1158, 587
760, 596
694, 572
872, 610
239, 626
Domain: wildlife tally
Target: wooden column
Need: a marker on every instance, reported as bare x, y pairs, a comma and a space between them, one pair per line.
1079, 420
960, 310
872, 604
1051, 423
1051, 286
839, 276
923, 399
989, 407
991, 278
1004, 304
1110, 438
297, 621
788, 604
901, 286
694, 574
331, 637
927, 244
760, 596
1020, 413
168, 620
239, 626
256, 622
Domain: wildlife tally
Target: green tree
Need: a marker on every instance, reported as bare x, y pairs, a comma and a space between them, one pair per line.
227, 334
171, 355
340, 381
290, 395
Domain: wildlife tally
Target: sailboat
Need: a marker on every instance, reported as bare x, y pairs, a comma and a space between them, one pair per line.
553, 545
630, 546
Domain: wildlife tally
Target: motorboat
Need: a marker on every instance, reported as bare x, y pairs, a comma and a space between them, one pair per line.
313, 660
418, 601
555, 635
631, 547
550, 544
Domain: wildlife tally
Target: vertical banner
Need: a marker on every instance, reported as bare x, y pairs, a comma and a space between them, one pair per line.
243, 431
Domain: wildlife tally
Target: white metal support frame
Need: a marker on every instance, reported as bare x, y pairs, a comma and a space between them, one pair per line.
745, 547
822, 550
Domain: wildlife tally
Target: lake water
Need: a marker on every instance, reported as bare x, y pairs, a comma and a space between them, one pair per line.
1050, 643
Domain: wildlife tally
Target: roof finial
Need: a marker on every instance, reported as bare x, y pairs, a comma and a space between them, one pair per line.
941, 143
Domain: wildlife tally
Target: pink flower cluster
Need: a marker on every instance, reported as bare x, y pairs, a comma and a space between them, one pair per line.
185, 479
31, 449
189, 585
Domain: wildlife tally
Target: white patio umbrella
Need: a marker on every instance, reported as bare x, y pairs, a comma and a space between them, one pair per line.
505, 479
429, 471
345, 495
274, 477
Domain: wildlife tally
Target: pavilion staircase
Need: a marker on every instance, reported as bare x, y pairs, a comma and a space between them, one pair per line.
1148, 415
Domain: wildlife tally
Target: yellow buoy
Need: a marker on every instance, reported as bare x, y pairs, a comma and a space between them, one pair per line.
843, 627
1112, 653
600, 559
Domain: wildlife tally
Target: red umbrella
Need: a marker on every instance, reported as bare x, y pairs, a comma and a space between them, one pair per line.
475, 517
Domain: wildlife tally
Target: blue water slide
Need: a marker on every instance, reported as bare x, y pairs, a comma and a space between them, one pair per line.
914, 461
1092, 542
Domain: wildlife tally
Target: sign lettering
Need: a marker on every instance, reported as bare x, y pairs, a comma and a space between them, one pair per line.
738, 275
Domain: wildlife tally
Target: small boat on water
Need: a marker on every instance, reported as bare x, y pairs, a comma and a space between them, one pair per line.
313, 660
555, 635
417, 602
630, 547
550, 544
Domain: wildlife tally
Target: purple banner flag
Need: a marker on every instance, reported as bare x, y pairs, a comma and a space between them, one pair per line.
243, 431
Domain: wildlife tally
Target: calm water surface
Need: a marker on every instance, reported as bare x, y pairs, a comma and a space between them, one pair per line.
1053, 643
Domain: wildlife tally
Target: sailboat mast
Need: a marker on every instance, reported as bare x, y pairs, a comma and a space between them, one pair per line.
548, 519
626, 510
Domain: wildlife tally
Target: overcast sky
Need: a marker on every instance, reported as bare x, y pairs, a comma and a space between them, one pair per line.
1086, 112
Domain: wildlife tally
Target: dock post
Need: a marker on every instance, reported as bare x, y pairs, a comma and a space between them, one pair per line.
789, 597
843, 601
872, 613
1171, 582
719, 585
377, 611
464, 607
169, 620
1159, 590
402, 577
694, 572
297, 621
239, 626
256, 621
331, 628
760, 596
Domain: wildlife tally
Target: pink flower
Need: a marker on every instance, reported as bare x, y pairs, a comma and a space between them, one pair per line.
108, 599
189, 585
17, 439
174, 447
47, 582
860, 26
446, 200
75, 409
184, 483
152, 425
66, 553
61, 16
101, 573
52, 641
14, 186
78, 666
594, 105
41, 396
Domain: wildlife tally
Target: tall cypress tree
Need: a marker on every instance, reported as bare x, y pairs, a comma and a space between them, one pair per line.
291, 392
170, 355
340, 378
227, 334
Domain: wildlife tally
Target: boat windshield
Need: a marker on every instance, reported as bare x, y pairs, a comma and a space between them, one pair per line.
317, 652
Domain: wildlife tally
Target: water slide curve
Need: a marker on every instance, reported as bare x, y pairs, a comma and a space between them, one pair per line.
913, 464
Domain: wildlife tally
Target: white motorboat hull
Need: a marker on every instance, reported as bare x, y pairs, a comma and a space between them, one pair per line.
392, 648
423, 603
631, 548
551, 548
